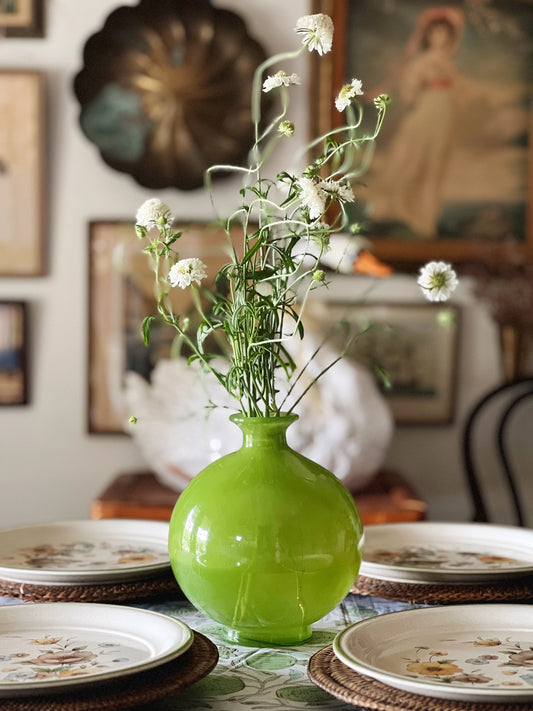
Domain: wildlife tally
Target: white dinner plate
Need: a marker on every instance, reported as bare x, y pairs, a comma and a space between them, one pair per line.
461, 652
84, 552
54, 646
427, 552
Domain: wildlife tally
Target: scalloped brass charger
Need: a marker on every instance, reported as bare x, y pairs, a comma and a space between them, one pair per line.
165, 91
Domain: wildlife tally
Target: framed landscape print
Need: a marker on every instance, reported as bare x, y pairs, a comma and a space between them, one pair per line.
449, 177
22, 18
22, 138
412, 348
13, 353
121, 295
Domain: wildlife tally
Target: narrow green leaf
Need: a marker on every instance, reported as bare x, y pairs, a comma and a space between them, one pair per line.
387, 383
146, 329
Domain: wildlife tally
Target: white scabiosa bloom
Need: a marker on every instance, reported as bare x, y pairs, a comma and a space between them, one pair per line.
187, 271
337, 190
280, 78
437, 281
313, 197
347, 93
154, 213
316, 32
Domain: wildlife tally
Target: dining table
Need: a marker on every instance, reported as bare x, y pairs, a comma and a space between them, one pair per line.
256, 677
439, 618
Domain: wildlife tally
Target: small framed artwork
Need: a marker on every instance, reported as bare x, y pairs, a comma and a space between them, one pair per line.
13, 353
449, 176
22, 18
22, 139
412, 348
121, 295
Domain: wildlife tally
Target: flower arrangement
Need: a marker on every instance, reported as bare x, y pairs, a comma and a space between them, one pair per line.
259, 297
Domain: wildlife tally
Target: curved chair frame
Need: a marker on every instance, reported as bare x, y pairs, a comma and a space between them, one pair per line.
525, 387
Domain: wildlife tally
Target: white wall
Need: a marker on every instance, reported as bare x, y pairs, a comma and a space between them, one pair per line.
50, 467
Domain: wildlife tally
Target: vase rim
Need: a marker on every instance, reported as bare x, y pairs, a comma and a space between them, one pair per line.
274, 417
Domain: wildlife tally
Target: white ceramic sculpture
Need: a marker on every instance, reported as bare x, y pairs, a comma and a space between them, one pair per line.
345, 423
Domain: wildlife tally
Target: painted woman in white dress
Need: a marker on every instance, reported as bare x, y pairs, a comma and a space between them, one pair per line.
408, 188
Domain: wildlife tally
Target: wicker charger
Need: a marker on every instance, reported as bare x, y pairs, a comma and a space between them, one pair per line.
511, 590
329, 673
131, 690
101, 592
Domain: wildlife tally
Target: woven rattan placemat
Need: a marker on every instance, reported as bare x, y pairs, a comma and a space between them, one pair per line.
329, 673
107, 592
512, 590
130, 690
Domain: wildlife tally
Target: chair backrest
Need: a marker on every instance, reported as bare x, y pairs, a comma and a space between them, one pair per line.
508, 397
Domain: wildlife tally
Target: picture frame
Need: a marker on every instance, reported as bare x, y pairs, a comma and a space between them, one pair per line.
22, 169
449, 177
13, 353
413, 351
22, 18
120, 296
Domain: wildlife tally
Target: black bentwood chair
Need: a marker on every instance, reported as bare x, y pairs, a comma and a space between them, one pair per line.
508, 397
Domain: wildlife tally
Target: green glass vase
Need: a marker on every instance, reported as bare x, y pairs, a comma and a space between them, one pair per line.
265, 541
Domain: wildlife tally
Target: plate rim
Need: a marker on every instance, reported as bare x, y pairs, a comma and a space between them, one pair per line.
406, 574
29, 688
424, 687
64, 577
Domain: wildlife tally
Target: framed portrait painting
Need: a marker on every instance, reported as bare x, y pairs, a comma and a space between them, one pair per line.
22, 18
412, 349
121, 295
450, 175
13, 353
22, 139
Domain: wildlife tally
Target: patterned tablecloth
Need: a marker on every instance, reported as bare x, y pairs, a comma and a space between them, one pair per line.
262, 678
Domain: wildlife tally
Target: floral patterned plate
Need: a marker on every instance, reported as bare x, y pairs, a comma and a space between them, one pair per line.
49, 647
463, 652
84, 552
427, 552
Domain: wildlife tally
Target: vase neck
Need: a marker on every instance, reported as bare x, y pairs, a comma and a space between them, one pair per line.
264, 431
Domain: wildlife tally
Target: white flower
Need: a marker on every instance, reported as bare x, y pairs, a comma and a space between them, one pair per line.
184, 272
316, 31
154, 213
347, 93
281, 78
313, 197
437, 281
338, 190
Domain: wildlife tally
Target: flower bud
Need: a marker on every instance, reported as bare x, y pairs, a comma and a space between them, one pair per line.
286, 128
382, 101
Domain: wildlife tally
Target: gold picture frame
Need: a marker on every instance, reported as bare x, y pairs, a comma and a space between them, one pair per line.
463, 187
121, 295
22, 18
415, 346
22, 166
13, 353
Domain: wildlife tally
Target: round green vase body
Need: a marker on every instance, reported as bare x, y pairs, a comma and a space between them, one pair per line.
265, 541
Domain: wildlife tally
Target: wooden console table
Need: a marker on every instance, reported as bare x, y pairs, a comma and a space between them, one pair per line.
387, 499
